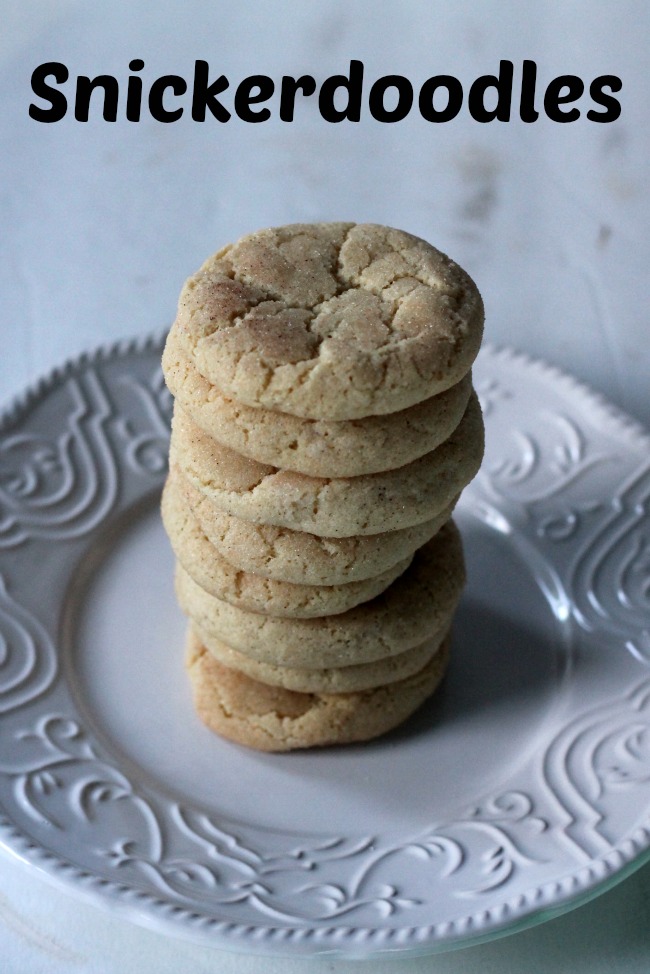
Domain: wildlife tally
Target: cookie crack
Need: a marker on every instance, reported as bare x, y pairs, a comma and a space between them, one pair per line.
337, 269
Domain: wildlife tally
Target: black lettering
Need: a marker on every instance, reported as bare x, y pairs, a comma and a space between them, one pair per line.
134, 92
527, 110
156, 107
244, 97
290, 87
454, 98
377, 94
503, 85
58, 102
353, 84
204, 94
553, 97
611, 105
85, 88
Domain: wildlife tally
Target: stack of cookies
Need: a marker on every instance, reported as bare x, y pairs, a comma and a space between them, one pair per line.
324, 427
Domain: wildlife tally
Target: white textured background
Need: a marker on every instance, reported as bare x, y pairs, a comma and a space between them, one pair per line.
100, 224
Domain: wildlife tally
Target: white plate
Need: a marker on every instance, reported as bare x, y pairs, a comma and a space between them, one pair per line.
523, 789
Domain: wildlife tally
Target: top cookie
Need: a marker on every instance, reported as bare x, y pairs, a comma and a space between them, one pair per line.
331, 320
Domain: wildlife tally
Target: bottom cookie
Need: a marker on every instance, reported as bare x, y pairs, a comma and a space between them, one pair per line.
270, 718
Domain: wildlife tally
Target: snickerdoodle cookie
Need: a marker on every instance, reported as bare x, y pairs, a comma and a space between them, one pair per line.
296, 556
342, 679
219, 578
418, 606
270, 718
318, 447
330, 507
331, 320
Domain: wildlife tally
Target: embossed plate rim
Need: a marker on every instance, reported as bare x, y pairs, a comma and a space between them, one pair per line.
528, 907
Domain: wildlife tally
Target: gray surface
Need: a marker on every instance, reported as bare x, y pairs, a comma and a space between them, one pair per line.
100, 224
